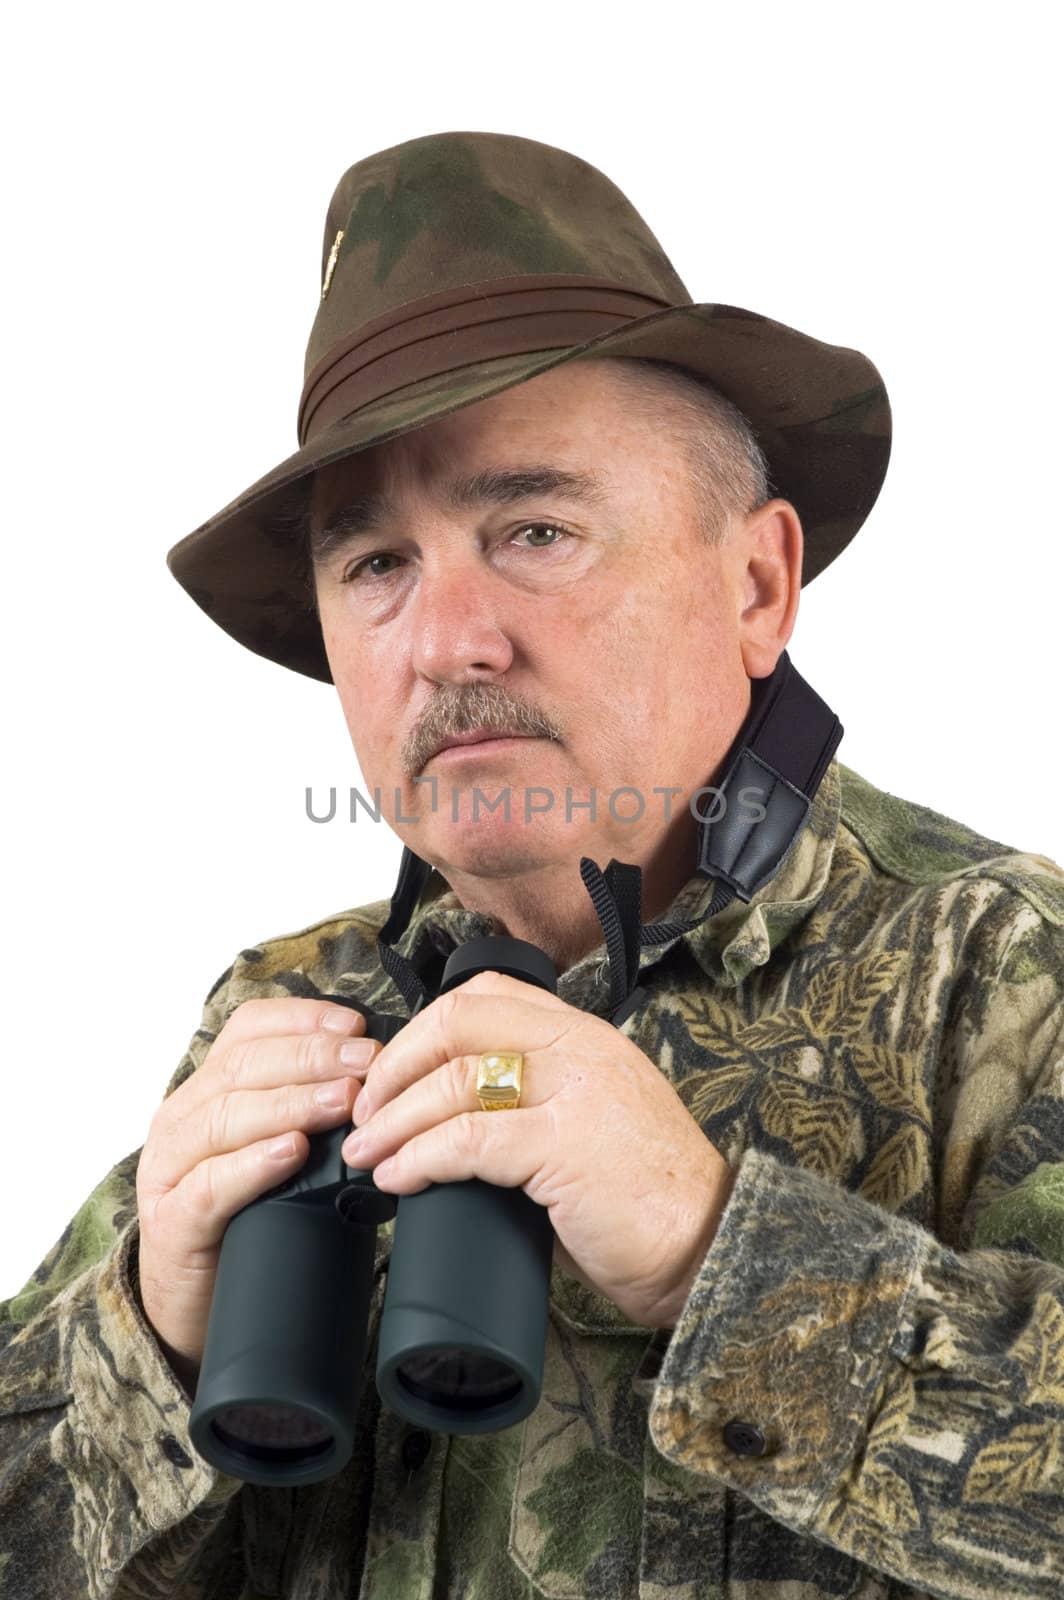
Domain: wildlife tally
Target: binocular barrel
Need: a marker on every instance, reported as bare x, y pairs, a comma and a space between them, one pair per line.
463, 1325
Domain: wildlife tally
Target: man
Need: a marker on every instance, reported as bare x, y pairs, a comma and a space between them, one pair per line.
800, 1140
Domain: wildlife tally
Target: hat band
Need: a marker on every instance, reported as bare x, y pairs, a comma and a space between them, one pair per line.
439, 333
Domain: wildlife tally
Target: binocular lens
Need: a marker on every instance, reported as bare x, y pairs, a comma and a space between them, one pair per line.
458, 1379
272, 1433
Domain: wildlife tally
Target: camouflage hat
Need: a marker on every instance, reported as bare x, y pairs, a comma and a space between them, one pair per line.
458, 265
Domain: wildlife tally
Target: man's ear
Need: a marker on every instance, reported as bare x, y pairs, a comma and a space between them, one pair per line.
769, 548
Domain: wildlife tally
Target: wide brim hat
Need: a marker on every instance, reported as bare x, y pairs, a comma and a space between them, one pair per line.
457, 265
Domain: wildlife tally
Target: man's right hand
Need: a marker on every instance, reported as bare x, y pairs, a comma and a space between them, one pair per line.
212, 1149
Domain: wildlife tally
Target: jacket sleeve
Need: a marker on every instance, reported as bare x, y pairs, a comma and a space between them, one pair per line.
903, 1401
101, 1491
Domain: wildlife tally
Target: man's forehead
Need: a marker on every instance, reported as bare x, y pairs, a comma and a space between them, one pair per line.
555, 404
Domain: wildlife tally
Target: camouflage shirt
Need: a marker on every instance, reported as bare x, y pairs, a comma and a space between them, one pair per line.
875, 1043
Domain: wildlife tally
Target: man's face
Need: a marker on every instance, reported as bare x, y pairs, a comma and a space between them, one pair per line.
601, 626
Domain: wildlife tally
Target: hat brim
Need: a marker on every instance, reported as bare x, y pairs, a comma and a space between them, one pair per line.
820, 412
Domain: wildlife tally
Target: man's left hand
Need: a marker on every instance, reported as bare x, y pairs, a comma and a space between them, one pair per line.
634, 1188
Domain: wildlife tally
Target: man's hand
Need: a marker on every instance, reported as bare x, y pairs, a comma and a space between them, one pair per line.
211, 1151
634, 1188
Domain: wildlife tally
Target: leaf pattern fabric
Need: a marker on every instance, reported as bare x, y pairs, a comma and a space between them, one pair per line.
875, 1043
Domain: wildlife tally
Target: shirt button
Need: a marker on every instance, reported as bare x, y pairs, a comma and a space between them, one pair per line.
743, 1439
416, 1447
173, 1451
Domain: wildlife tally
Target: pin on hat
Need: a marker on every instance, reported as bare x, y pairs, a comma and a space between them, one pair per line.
457, 265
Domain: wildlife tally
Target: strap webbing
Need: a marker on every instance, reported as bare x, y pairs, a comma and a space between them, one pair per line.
413, 876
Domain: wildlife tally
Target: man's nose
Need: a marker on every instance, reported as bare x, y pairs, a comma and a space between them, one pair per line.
458, 628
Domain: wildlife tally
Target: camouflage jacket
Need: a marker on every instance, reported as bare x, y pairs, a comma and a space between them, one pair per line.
875, 1043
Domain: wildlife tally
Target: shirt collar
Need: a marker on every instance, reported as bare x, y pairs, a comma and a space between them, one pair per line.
727, 946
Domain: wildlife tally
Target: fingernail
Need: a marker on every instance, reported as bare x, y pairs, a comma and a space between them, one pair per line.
331, 1095
357, 1052
338, 1021
361, 1106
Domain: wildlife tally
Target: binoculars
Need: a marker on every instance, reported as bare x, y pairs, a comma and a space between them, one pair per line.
464, 1322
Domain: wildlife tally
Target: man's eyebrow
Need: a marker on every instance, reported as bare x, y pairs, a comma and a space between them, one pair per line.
491, 486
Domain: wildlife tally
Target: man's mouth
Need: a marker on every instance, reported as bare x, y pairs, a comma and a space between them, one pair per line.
480, 736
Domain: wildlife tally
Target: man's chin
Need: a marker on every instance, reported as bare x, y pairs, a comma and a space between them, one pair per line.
491, 847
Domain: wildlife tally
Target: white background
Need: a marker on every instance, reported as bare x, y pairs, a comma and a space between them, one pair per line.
879, 177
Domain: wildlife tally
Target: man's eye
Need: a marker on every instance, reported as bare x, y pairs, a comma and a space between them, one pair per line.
550, 527
358, 570
367, 568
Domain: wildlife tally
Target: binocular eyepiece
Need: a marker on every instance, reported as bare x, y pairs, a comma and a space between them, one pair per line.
463, 1326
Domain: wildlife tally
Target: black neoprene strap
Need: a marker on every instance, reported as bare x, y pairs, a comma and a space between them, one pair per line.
775, 766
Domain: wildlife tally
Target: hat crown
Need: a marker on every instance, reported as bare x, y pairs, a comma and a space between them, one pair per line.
453, 209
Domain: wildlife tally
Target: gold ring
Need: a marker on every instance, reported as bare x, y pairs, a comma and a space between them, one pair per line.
499, 1080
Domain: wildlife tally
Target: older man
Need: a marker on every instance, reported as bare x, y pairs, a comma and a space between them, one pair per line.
800, 1139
